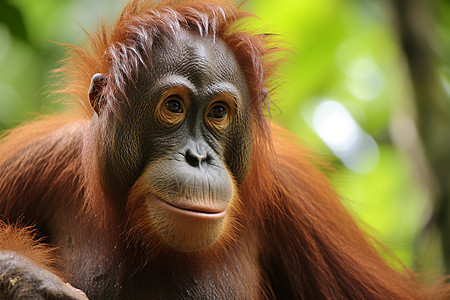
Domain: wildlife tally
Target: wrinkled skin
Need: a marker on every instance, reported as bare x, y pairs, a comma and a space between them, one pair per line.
21, 278
190, 163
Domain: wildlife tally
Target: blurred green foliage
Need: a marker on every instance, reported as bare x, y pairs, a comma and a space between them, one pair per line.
340, 51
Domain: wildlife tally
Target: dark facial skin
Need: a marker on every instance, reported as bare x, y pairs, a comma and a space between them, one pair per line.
185, 138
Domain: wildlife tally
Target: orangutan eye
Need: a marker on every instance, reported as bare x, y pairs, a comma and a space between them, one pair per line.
173, 105
220, 113
217, 112
171, 110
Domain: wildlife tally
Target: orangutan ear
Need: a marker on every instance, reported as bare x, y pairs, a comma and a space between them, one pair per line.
98, 82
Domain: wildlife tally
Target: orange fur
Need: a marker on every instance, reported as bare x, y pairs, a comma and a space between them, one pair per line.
22, 240
333, 258
290, 236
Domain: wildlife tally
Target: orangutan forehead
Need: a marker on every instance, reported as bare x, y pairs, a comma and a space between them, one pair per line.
196, 57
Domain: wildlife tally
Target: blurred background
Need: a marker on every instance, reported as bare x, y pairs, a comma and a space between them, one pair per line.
366, 85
